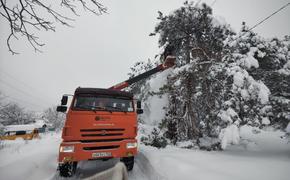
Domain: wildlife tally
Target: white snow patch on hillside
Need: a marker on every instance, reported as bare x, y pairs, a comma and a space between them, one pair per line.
154, 106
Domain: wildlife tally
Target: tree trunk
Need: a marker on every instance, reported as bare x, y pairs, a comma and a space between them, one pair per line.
190, 116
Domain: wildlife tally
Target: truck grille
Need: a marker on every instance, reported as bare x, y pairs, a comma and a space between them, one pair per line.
100, 148
97, 130
101, 132
101, 140
115, 134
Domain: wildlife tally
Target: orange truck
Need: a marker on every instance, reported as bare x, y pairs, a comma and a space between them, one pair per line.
102, 124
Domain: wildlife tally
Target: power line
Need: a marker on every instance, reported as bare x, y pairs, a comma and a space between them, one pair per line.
26, 85
212, 4
268, 17
21, 91
262, 21
26, 102
10, 76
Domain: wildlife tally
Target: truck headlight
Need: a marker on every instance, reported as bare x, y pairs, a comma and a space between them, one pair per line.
131, 145
67, 149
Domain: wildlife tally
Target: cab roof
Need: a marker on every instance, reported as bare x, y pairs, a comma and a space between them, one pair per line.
101, 91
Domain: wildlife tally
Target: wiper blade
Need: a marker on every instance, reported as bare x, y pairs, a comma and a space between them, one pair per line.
117, 108
94, 108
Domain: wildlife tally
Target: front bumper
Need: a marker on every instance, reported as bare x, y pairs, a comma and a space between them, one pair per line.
85, 151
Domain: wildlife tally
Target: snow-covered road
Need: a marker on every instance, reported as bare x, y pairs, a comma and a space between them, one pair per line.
142, 169
263, 156
37, 159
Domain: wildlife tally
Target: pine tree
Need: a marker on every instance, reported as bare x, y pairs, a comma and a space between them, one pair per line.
198, 43
222, 80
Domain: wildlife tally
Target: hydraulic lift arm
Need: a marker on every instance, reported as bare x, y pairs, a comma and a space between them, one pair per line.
169, 62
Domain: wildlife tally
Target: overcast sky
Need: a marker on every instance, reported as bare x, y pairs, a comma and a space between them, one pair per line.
99, 50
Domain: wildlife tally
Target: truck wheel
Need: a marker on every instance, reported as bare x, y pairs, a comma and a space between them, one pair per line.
67, 169
129, 162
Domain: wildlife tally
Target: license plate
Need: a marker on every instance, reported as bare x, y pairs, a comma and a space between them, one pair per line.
101, 154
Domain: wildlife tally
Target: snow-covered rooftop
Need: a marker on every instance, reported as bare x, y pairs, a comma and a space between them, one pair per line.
23, 127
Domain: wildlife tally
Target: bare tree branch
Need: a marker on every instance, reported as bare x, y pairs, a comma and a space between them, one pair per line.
26, 16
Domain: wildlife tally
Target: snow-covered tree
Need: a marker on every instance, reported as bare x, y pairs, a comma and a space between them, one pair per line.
197, 38
12, 113
139, 68
55, 118
222, 80
24, 17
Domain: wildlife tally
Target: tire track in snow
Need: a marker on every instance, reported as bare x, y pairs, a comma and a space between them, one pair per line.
143, 169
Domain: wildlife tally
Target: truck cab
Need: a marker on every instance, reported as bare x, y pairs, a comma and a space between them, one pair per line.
100, 124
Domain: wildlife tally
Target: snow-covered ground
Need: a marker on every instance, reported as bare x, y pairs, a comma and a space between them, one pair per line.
31, 159
261, 154
37, 159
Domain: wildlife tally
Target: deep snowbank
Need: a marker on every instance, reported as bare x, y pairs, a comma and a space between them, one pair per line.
261, 155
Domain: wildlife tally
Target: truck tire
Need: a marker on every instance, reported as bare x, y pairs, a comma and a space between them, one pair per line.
129, 162
67, 169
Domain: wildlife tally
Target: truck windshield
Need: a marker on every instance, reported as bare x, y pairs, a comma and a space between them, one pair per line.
90, 102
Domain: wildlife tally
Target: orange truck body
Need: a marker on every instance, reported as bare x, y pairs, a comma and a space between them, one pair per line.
98, 134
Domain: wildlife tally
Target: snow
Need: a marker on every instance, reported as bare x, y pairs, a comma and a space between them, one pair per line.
228, 115
31, 159
159, 80
261, 154
250, 62
239, 79
264, 92
245, 94
184, 144
251, 160
265, 121
229, 135
24, 127
288, 128
286, 69
154, 106
267, 141
37, 159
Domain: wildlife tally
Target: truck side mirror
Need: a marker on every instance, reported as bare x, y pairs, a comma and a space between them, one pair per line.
139, 111
138, 104
64, 100
61, 109
139, 108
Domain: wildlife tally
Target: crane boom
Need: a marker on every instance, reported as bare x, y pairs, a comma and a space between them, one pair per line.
169, 62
